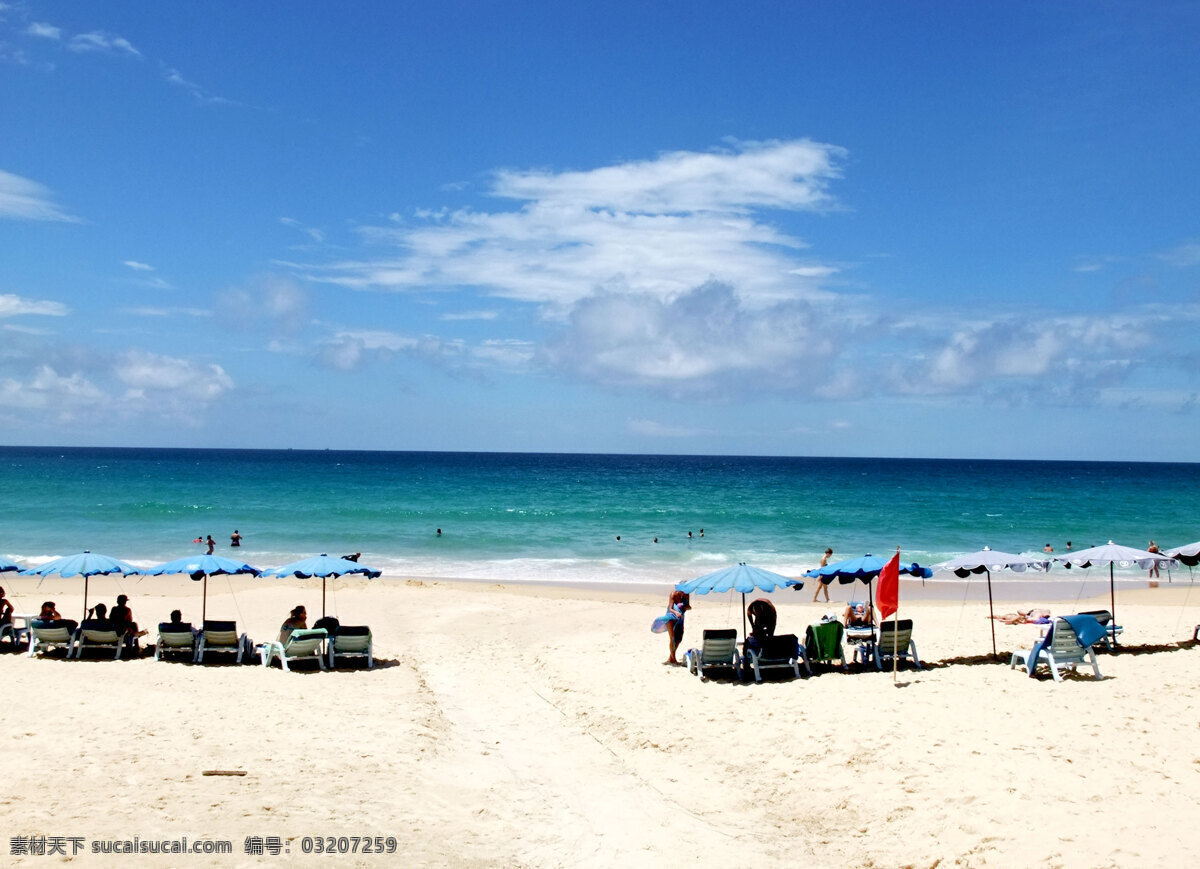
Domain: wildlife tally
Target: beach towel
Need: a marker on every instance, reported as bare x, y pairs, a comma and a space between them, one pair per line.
823, 642
1087, 631
664, 623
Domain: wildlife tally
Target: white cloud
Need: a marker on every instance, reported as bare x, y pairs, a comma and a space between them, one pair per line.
1183, 256
792, 175
22, 199
151, 311
650, 428
470, 315
270, 301
704, 343
133, 384
45, 31
659, 227
175, 77
315, 234
14, 306
138, 267
1058, 359
101, 41
55, 397
165, 378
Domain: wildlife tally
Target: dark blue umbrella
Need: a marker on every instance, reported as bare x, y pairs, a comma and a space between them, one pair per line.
86, 564
863, 569
202, 567
323, 566
741, 577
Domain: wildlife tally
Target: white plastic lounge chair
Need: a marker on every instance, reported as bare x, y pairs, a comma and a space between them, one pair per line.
895, 639
95, 634
1062, 653
181, 638
718, 649
221, 637
47, 635
1111, 631
302, 644
351, 642
774, 652
12, 633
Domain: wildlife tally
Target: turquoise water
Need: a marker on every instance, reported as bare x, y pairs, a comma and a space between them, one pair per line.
557, 517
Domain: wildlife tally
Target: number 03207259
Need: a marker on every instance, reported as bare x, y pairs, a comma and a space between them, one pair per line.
348, 844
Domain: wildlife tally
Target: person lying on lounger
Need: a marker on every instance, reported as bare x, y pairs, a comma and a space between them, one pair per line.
1027, 617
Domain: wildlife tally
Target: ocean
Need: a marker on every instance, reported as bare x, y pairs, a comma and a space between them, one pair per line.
557, 518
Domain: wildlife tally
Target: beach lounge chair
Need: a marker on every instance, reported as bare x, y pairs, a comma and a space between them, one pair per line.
894, 639
1068, 644
823, 643
783, 651
55, 634
99, 634
350, 641
718, 649
178, 638
221, 637
1105, 618
301, 645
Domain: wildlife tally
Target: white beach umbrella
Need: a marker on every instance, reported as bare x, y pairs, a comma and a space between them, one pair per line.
985, 561
1189, 555
1112, 554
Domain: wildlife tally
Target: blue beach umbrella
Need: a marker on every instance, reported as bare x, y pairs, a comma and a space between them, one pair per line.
864, 570
86, 564
6, 566
323, 566
741, 577
202, 567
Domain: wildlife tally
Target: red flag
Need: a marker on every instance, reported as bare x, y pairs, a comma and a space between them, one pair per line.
889, 587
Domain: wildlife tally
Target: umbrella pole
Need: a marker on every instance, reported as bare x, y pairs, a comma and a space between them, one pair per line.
204, 602
1112, 599
323, 597
85, 585
992, 613
744, 634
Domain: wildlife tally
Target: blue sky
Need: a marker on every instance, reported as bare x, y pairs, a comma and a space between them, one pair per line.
893, 229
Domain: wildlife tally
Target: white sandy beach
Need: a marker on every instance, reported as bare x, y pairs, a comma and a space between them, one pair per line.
536, 726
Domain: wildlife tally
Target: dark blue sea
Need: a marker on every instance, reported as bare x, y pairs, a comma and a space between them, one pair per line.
557, 518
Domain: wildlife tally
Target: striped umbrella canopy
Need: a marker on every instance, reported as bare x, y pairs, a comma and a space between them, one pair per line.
1113, 554
985, 561
86, 564
864, 570
1189, 555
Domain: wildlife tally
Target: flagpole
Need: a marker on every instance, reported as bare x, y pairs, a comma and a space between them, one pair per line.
896, 623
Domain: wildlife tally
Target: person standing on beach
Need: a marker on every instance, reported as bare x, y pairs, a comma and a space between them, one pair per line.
211, 544
820, 585
235, 539
1153, 547
678, 604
